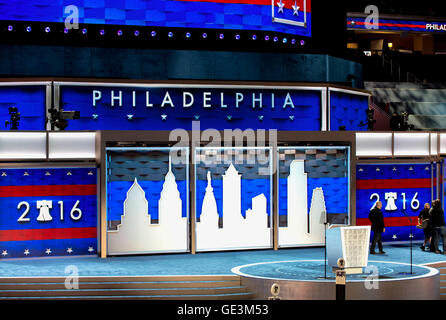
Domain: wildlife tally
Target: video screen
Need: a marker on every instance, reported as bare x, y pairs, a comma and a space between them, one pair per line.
284, 16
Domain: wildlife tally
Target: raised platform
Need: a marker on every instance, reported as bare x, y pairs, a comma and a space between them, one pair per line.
306, 279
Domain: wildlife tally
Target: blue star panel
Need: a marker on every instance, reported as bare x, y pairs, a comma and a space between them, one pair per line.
48, 212
405, 186
216, 14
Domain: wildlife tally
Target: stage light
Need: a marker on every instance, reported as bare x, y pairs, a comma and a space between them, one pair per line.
65, 30
28, 29
284, 40
136, 33
390, 45
276, 39
188, 35
293, 41
254, 37
119, 33
153, 33
170, 34
302, 42
205, 35
267, 38
10, 28
102, 32
237, 37
221, 36
47, 29
84, 31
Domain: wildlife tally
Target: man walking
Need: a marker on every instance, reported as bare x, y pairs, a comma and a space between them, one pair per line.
377, 220
438, 226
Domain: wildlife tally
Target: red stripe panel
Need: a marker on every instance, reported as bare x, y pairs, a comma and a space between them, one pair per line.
393, 183
399, 25
390, 222
47, 234
288, 3
48, 190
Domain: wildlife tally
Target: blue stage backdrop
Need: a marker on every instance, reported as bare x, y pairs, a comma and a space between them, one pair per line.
30, 100
403, 190
348, 110
164, 107
48, 212
288, 16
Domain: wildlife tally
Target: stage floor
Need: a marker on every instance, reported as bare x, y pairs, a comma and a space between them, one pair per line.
209, 263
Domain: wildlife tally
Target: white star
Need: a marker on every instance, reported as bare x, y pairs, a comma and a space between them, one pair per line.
378, 169
90, 249
4, 174
197, 117
394, 237
130, 116
69, 173
26, 252
361, 170
411, 235
48, 251
394, 169
295, 9
291, 118
260, 118
281, 5
95, 116
410, 169
69, 250
47, 173
90, 173
427, 168
4, 253
229, 117
164, 117
26, 174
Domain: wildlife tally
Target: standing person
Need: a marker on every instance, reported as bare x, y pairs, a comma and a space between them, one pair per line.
424, 220
378, 227
438, 226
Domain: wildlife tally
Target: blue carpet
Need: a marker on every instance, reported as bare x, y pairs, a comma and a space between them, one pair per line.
211, 263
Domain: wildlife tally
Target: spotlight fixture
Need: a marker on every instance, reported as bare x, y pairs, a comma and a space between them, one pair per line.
205, 35
28, 29
119, 33
293, 41
276, 39
188, 35
170, 34
254, 37
47, 29
284, 40
102, 32
302, 42
10, 28
237, 37
267, 38
136, 33
84, 31
153, 33
221, 36
65, 30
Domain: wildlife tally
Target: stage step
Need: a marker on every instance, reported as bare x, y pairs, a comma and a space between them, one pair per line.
140, 287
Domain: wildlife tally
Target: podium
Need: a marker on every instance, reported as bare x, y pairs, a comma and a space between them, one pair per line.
349, 243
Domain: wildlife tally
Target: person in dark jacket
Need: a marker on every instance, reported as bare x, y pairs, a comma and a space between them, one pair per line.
438, 226
424, 218
377, 219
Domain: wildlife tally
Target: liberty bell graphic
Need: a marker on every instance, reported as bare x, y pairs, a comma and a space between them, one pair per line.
390, 197
44, 207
